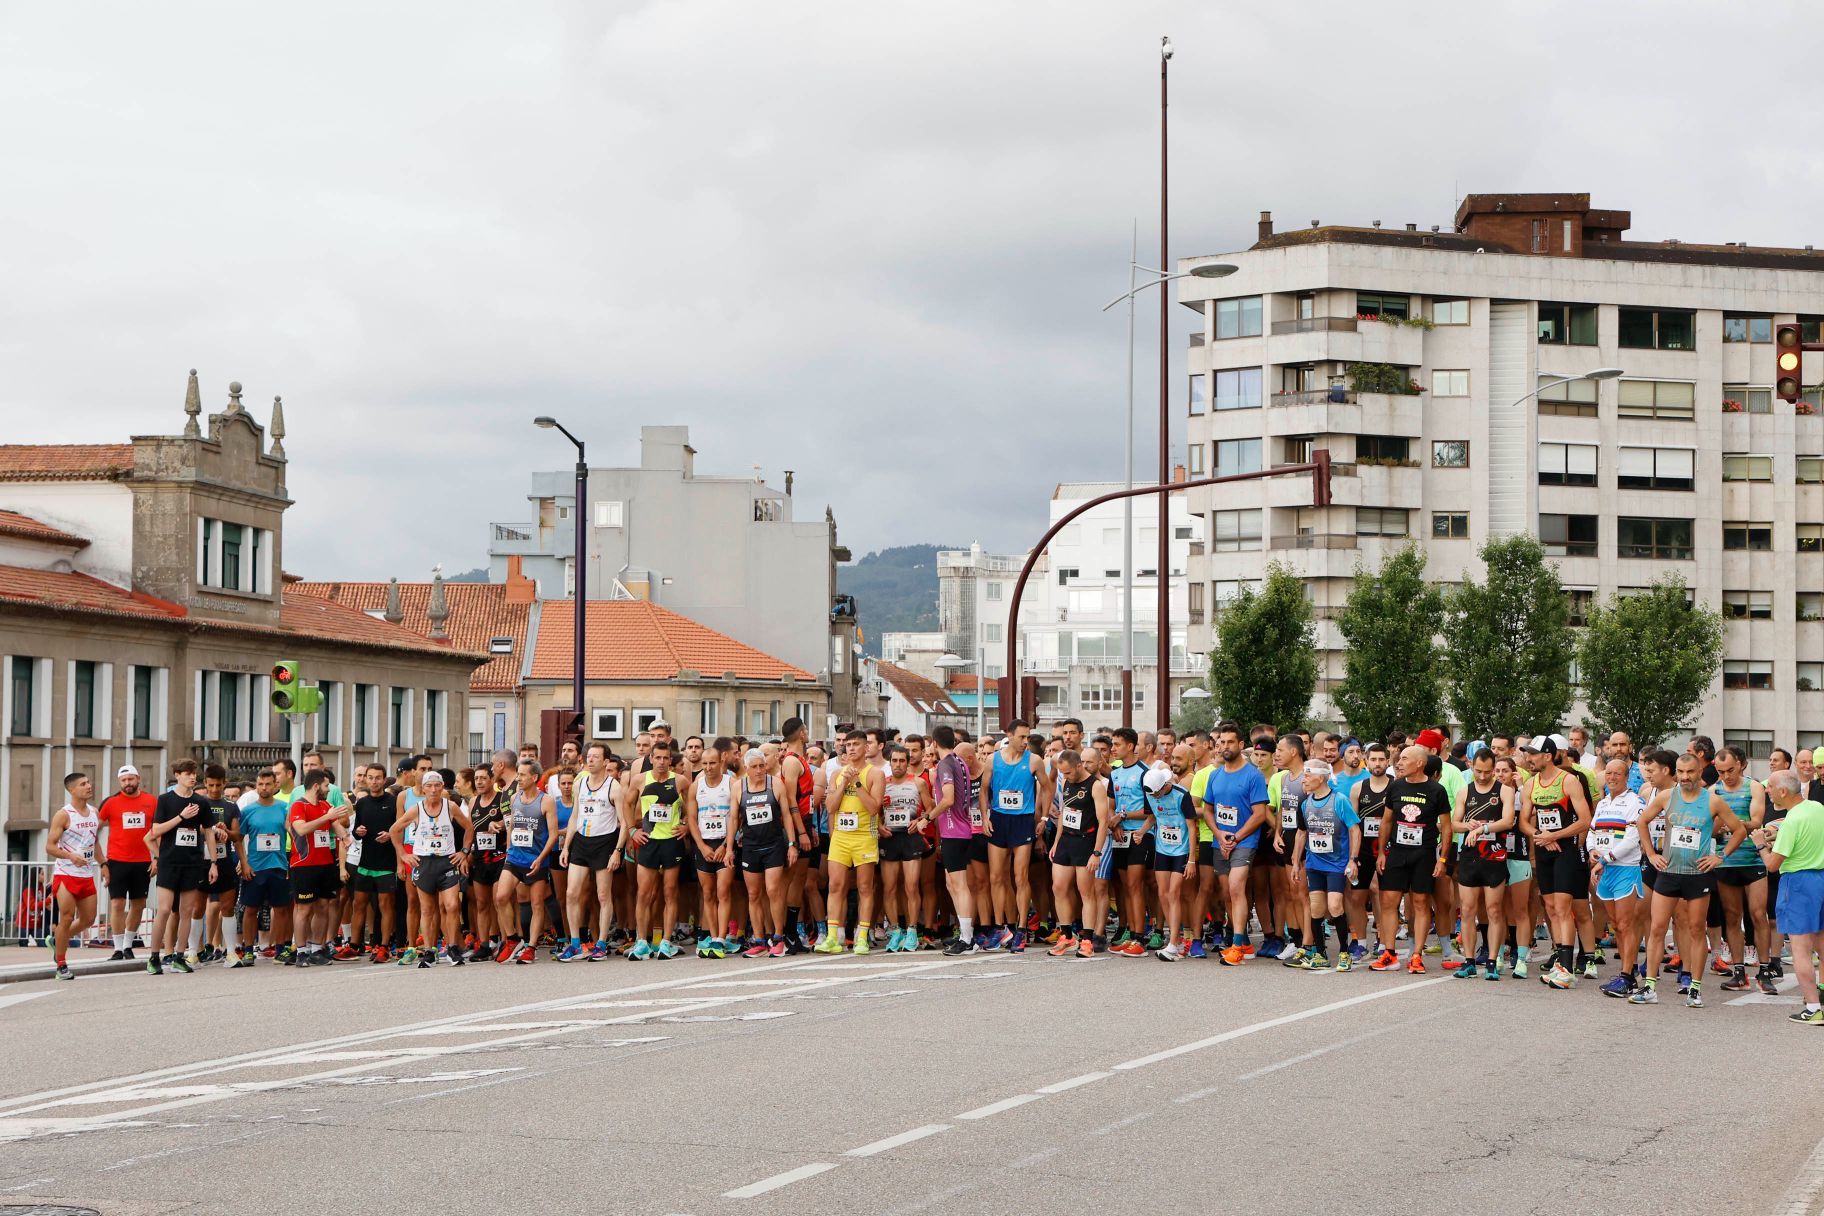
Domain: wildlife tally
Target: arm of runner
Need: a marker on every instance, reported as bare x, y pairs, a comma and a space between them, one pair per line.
874, 791
1655, 808
547, 807
1725, 819
1457, 822
54, 840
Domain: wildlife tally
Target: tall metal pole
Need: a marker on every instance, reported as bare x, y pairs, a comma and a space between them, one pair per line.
1164, 573
1127, 504
580, 605
981, 686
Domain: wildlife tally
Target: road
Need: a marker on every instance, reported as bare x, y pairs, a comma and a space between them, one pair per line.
893, 1085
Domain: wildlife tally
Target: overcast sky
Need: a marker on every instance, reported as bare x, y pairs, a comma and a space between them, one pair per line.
867, 242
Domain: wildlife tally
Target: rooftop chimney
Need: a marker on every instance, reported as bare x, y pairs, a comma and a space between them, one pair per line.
1177, 474
1412, 227
520, 589
1266, 224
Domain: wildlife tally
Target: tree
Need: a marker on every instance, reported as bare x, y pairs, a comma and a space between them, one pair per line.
1195, 713
1508, 643
1648, 661
1264, 667
1390, 669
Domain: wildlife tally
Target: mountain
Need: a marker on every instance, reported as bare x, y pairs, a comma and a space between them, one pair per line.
895, 589
478, 575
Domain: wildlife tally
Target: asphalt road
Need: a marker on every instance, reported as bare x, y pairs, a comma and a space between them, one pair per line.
894, 1085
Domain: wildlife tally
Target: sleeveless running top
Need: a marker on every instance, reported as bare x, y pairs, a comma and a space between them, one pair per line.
1370, 805
660, 805
526, 829
1689, 829
1013, 790
901, 805
435, 834
1485, 806
852, 815
1741, 802
1129, 794
596, 804
714, 802
79, 835
762, 818
564, 809
1171, 832
487, 818
1078, 812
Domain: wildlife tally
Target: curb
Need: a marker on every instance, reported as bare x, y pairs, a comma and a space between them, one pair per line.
25, 975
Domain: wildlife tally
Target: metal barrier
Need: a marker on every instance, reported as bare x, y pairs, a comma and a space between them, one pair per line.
28, 909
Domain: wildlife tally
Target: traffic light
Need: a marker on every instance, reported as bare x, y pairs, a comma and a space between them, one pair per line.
310, 699
285, 686
1789, 361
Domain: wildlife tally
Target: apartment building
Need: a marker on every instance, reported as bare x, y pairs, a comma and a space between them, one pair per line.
1447, 372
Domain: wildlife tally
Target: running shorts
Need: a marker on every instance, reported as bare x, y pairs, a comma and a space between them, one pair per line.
1740, 876
267, 889
1010, 831
667, 854
312, 884
374, 882
1474, 870
852, 849
758, 858
954, 852
1619, 882
1682, 886
904, 846
1327, 881
593, 852
1563, 872
435, 874
1162, 864
129, 879
1800, 909
184, 876
1073, 849
1409, 870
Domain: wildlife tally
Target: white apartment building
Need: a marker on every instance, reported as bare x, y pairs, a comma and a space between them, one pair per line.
1071, 613
1425, 360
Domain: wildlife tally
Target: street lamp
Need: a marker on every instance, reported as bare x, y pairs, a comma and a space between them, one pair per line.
579, 604
956, 662
1601, 373
1212, 270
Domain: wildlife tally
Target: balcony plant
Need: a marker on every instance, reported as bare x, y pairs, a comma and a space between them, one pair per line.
1382, 378
1804, 407
1731, 406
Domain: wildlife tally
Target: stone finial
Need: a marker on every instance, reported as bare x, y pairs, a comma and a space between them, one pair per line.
234, 397
788, 483
193, 408
278, 429
394, 612
439, 611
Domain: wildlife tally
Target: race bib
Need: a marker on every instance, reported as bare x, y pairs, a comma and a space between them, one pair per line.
898, 817
486, 840
1658, 831
321, 838
521, 838
133, 820
1549, 820
1320, 841
975, 816
1371, 828
714, 824
1117, 839
1073, 818
1288, 818
1602, 838
1409, 834
587, 824
1011, 800
759, 813
1171, 835
186, 838
848, 821
267, 842
354, 852
1227, 818
1686, 837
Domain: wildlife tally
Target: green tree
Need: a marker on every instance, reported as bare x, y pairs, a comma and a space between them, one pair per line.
1509, 643
1648, 661
1264, 667
1195, 713
1390, 669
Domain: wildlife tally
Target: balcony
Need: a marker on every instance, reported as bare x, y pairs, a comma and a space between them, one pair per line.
242, 760
505, 540
1196, 340
1391, 485
1314, 540
1315, 325
1339, 411
1347, 339
842, 608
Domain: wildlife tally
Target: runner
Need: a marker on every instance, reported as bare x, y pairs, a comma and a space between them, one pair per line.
71, 845
594, 851
903, 848
371, 861
1169, 812
317, 830
954, 806
656, 799
1793, 847
1082, 838
488, 811
266, 866
221, 927
1412, 856
1615, 861
1741, 877
186, 865
126, 867
531, 828
441, 860
854, 799
1129, 858
1368, 798
1236, 794
1012, 799
1325, 849
1555, 814
803, 775
1279, 899
709, 805
768, 841
1483, 816
1518, 902
1682, 881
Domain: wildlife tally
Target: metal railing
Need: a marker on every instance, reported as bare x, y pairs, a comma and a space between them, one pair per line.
28, 910
1334, 395
1314, 325
242, 760
1315, 540
513, 531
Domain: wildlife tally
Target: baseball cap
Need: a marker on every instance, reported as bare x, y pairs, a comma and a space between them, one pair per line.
127, 770
1158, 780
1429, 738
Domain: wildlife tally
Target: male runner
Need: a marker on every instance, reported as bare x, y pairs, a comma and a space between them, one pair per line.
1129, 859
1482, 815
1236, 794
1741, 877
531, 827
266, 866
317, 829
1325, 849
1013, 797
954, 803
371, 859
186, 865
1368, 798
853, 801
441, 836
489, 812
803, 775
656, 799
768, 846
221, 926
709, 805
71, 845
593, 850
1615, 860
1083, 818
1793, 846
903, 847
1555, 813
1169, 813
1695, 816
1417, 811
127, 866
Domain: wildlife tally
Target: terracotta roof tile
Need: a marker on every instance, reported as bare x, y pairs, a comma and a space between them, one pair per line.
637, 640
315, 617
65, 461
80, 593
479, 612
916, 689
25, 527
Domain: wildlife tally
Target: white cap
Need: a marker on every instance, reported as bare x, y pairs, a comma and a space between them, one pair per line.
1158, 780
127, 770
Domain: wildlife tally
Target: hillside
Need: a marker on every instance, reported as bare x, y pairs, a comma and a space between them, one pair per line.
895, 589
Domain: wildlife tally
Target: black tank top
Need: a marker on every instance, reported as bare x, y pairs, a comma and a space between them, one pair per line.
762, 819
1079, 808
1487, 808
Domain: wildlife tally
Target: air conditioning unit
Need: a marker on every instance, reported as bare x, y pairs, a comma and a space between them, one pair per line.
1063, 614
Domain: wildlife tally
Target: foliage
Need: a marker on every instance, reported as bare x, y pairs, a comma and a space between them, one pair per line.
895, 589
1381, 378
1648, 660
1264, 667
1195, 713
1390, 667
1509, 643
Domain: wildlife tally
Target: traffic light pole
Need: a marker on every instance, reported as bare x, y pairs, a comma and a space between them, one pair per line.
297, 742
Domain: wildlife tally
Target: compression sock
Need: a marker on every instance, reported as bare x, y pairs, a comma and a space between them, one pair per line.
965, 928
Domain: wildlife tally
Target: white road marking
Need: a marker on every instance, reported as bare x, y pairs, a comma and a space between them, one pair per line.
778, 1180
1341, 1043
1118, 1124
1058, 1087
995, 1108
965, 975
1171, 1053
1802, 1195
881, 1146
1786, 983
20, 998
761, 1016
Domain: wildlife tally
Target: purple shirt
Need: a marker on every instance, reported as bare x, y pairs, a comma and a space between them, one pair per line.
955, 822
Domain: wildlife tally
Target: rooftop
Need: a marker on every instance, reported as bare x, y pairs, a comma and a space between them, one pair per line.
65, 461
478, 613
916, 689
24, 527
639, 640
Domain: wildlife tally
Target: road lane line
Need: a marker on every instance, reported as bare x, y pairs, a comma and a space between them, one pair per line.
1058, 1087
995, 1108
1118, 1124
1171, 1053
881, 1146
778, 1180
1360, 1038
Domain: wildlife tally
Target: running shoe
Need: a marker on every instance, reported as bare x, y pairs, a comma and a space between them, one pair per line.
829, 944
1719, 966
1169, 954
526, 954
1804, 1017
599, 952
1001, 940
1765, 979
1247, 948
1052, 938
757, 950
426, 959
1453, 964
894, 939
1468, 971
1618, 987
1558, 976
64, 972
1519, 971
1694, 999
1737, 981
1300, 959
1751, 957
1386, 960
1156, 941
346, 953
1607, 942
447, 957
1646, 994
1018, 943
178, 963
667, 948
1134, 948
1271, 947
571, 952
285, 954
1317, 960
861, 944
1344, 962
1232, 957
380, 954
117, 956
407, 957
1684, 982
779, 948
1357, 951
1086, 946
508, 948
1063, 946
153, 964
1197, 950
1434, 947
959, 946
1590, 965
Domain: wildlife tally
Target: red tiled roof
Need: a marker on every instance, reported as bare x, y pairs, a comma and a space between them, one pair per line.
313, 616
637, 640
478, 613
65, 461
24, 526
916, 688
80, 593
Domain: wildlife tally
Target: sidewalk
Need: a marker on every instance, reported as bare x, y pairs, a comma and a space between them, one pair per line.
19, 964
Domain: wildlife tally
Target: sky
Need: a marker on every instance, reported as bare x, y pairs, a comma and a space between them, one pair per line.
869, 242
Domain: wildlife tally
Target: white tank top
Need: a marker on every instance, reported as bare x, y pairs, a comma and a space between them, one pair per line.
434, 835
596, 806
79, 835
713, 806
902, 804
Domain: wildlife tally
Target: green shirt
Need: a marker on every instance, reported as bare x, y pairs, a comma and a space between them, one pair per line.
1801, 840
1451, 778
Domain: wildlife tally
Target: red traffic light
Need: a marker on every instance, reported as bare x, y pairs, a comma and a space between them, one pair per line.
1788, 363
284, 673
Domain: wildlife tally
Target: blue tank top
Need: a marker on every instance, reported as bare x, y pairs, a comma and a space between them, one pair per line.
1014, 790
1171, 834
564, 810
526, 830
1741, 802
1689, 829
1130, 795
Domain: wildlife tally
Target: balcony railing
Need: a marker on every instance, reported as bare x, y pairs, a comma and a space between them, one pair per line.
511, 532
1315, 540
1315, 325
1334, 395
242, 760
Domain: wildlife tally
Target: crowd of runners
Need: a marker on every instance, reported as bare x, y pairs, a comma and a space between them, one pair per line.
1501, 858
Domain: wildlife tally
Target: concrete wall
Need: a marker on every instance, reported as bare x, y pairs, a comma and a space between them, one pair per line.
102, 511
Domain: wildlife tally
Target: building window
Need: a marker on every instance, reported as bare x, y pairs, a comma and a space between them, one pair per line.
1237, 456
1450, 453
1660, 539
397, 720
1669, 399
1194, 602
1106, 698
993, 591
1450, 525
1383, 449
366, 706
1200, 401
1238, 318
231, 557
1811, 538
228, 705
1745, 673
1747, 329
1569, 398
82, 697
644, 718
1567, 324
709, 719
1234, 531
610, 513
1810, 605
1657, 329
1655, 469
1579, 601
1066, 573
803, 711
144, 686
329, 725
1808, 470
1181, 532
1238, 388
1225, 591
205, 556
1450, 312
991, 632
1755, 744
1811, 677
1372, 306
433, 717
1380, 521
1748, 605
1737, 467
1296, 449
1567, 464
605, 723
1193, 459
1568, 535
1756, 537
1450, 383
1741, 399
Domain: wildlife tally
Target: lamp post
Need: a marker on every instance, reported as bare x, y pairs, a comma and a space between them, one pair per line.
1601, 373
955, 662
579, 604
